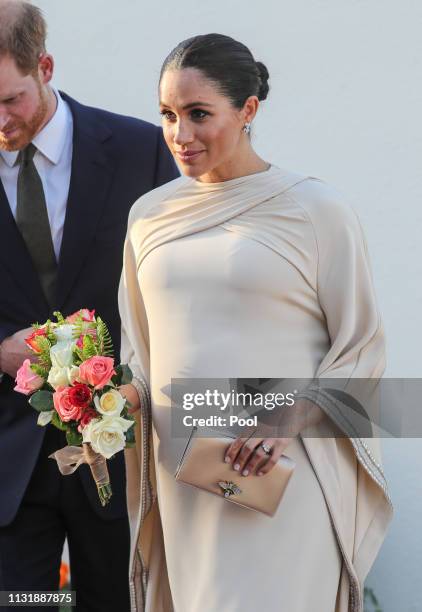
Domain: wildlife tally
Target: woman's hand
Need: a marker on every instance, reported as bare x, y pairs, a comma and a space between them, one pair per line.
258, 456
130, 393
255, 455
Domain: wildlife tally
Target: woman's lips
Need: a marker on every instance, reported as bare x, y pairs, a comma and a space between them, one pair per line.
188, 156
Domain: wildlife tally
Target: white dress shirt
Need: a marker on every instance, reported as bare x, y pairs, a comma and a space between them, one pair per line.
52, 159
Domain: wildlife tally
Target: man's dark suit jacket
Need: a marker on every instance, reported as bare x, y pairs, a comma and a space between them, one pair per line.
115, 160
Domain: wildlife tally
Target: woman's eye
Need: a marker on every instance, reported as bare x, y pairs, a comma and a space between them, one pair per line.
168, 115
195, 115
198, 114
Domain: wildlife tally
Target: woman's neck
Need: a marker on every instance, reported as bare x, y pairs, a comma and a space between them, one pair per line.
242, 165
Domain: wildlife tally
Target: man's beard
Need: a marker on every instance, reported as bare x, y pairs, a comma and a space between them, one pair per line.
26, 129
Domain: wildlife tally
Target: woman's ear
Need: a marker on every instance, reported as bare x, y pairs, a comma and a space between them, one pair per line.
250, 108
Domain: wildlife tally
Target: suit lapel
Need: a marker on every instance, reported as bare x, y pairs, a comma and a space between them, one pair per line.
15, 256
89, 185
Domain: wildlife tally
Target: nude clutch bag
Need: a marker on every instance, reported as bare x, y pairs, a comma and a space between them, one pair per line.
202, 465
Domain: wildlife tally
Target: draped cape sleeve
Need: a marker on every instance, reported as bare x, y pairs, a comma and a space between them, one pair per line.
148, 582
346, 294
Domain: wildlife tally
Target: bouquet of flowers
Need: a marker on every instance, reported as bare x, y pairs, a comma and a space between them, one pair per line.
73, 384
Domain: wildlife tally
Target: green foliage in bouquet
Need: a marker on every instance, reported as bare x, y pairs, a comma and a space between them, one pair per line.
44, 361
44, 344
88, 349
41, 370
60, 318
42, 401
130, 434
99, 343
48, 326
123, 375
105, 344
73, 437
57, 422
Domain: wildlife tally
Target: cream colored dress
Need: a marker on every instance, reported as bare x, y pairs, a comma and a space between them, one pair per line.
262, 276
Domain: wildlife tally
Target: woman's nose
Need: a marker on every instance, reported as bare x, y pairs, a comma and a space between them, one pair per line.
183, 133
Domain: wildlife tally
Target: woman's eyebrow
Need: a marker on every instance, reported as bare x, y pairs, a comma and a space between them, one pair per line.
187, 106
192, 104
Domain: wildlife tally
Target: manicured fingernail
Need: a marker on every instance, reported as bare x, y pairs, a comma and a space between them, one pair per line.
260, 474
227, 459
245, 472
236, 467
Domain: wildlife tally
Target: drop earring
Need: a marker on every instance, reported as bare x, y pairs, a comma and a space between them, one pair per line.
247, 127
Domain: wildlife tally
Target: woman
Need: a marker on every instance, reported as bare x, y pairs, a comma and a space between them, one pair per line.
245, 270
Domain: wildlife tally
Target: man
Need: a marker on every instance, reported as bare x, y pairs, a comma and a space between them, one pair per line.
69, 174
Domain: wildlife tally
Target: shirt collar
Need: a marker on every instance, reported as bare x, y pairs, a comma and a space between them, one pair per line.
50, 141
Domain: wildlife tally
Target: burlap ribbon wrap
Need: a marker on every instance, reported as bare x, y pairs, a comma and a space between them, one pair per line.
70, 458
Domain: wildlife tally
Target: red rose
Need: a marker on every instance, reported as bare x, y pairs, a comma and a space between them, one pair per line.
87, 416
80, 395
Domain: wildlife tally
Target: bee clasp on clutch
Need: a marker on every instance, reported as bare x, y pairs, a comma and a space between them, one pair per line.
229, 488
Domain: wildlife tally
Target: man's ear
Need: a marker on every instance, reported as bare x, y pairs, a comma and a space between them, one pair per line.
45, 67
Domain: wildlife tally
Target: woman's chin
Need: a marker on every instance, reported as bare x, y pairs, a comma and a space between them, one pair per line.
191, 170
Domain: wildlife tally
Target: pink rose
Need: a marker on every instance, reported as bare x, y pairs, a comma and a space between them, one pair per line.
97, 371
63, 404
87, 315
27, 380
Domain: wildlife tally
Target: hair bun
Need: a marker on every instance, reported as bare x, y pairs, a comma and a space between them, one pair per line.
264, 75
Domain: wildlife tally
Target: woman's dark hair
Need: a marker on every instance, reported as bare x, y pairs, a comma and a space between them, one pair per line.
225, 61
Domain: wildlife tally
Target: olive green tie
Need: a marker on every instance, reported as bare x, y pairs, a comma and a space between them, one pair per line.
32, 221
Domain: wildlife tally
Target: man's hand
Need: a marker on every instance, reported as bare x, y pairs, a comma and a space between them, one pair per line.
13, 352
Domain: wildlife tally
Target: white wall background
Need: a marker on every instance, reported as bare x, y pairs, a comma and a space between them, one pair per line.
345, 105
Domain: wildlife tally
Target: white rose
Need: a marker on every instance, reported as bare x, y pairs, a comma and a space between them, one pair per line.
107, 435
86, 432
110, 404
64, 333
73, 373
62, 354
58, 377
